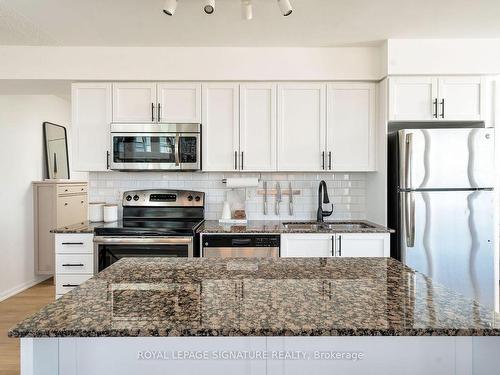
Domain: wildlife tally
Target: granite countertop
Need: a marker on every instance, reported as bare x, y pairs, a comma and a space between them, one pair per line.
83, 227
261, 226
260, 297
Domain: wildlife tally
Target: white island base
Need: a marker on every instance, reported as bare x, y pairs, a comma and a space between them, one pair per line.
387, 355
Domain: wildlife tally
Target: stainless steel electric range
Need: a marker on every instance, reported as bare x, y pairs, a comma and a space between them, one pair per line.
156, 223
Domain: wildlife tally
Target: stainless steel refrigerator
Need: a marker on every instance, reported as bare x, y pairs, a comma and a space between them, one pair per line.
441, 203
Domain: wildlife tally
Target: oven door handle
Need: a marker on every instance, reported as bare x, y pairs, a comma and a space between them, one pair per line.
143, 240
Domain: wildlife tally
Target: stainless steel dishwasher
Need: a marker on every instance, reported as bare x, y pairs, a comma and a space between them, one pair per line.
241, 246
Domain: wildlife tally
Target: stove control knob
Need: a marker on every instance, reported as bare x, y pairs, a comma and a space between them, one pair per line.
190, 198
197, 199
136, 197
128, 198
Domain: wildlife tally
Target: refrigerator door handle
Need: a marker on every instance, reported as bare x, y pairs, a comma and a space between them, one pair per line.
409, 212
408, 160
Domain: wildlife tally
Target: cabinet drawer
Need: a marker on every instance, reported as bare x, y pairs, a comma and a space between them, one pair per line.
71, 189
71, 209
75, 243
74, 263
65, 283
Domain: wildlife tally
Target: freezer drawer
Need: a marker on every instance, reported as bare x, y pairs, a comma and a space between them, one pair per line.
448, 236
446, 158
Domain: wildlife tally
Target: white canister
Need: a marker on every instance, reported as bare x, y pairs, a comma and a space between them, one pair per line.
110, 213
96, 211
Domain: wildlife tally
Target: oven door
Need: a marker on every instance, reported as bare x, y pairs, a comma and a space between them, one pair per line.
111, 249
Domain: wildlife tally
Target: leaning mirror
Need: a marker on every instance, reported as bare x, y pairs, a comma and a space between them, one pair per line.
56, 151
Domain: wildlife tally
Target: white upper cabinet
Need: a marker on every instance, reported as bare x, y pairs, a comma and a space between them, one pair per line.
351, 127
307, 245
301, 127
363, 245
437, 98
91, 115
134, 102
220, 119
413, 98
179, 103
461, 98
258, 127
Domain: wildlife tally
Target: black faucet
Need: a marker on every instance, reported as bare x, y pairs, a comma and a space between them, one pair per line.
323, 198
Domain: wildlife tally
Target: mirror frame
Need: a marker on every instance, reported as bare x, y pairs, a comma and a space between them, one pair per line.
47, 158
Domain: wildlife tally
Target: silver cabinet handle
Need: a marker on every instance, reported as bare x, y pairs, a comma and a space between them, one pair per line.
435, 103
73, 265
176, 150
158, 116
72, 243
333, 246
329, 160
107, 159
340, 246
408, 161
442, 108
242, 161
323, 160
70, 285
236, 160
152, 112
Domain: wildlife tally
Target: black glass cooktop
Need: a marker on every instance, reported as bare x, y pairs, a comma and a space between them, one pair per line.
148, 228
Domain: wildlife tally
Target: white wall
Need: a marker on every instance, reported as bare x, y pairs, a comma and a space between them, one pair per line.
190, 63
443, 56
21, 155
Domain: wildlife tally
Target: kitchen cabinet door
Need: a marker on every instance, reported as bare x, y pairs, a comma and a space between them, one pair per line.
179, 103
258, 127
413, 98
307, 245
363, 245
134, 102
91, 116
351, 127
301, 127
461, 98
220, 130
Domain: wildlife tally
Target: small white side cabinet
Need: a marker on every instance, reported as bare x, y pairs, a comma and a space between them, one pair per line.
74, 260
339, 244
55, 205
453, 98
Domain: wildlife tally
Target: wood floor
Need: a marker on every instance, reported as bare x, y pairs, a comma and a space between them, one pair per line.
14, 309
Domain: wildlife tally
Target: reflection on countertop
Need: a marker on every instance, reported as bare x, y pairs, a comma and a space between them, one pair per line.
260, 297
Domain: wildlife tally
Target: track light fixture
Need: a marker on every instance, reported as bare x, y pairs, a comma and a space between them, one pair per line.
209, 7
246, 9
170, 7
285, 7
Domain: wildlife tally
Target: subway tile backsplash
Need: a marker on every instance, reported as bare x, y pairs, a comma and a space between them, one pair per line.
346, 190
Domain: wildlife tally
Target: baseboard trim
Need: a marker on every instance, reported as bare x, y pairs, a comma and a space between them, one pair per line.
21, 288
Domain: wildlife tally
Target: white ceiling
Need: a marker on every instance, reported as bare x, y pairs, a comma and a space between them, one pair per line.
314, 22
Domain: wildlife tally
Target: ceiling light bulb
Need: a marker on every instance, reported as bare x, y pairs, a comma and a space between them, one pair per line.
170, 7
285, 7
209, 7
246, 9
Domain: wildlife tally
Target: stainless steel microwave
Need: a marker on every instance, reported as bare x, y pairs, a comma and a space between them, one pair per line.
162, 147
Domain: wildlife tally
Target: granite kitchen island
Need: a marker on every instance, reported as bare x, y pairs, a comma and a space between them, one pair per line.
258, 316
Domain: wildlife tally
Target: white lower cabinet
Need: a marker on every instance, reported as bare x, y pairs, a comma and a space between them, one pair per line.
335, 244
74, 260
307, 245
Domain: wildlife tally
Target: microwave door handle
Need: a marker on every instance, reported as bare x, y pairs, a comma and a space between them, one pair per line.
176, 151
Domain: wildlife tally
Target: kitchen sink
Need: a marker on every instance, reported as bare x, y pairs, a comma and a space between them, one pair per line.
338, 225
